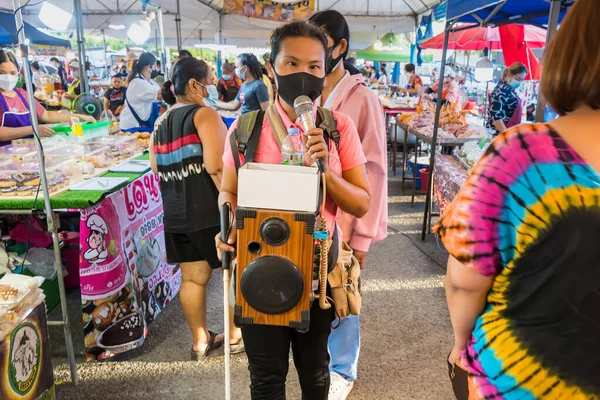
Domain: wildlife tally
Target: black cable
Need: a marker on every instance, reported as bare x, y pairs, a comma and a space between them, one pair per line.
29, 225
423, 251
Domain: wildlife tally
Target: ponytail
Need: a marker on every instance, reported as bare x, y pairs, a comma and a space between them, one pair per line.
134, 72
167, 93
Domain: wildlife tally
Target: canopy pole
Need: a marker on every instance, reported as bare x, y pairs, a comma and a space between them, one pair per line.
106, 65
161, 33
83, 81
436, 125
178, 27
219, 43
552, 29
50, 216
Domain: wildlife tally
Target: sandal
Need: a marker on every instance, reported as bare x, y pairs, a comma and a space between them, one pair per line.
212, 346
237, 348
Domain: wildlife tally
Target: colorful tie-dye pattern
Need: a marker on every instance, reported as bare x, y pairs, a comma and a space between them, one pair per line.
530, 216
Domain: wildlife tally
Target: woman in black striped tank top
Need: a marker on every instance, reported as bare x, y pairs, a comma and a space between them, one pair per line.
186, 151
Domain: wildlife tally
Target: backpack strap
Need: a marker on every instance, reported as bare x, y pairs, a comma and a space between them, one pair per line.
327, 122
244, 138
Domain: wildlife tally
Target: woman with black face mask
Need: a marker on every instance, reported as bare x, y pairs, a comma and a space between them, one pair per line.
298, 57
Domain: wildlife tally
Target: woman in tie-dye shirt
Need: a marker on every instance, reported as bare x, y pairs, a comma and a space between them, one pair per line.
523, 281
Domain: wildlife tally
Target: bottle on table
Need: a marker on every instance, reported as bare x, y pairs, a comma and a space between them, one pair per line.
292, 148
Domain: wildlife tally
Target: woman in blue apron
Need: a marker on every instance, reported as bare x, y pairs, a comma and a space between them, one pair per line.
15, 121
142, 107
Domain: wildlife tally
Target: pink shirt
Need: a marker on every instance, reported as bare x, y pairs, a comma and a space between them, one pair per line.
346, 156
15, 104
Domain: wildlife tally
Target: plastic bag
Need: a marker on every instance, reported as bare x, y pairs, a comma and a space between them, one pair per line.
42, 263
38, 236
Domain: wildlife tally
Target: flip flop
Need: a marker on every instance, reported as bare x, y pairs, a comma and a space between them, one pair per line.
212, 346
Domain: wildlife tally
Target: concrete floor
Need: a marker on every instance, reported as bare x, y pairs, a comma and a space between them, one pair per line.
406, 333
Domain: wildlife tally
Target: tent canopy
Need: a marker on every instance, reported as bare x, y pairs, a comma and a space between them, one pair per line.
7, 22
507, 11
368, 19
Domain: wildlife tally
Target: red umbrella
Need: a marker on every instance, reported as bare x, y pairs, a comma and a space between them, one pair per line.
479, 37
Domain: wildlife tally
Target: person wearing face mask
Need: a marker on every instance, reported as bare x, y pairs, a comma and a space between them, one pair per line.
349, 94
254, 94
141, 106
74, 88
187, 146
15, 121
229, 84
299, 59
450, 90
505, 106
415, 83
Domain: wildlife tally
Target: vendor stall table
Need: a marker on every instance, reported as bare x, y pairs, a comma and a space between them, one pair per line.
125, 281
25, 363
449, 177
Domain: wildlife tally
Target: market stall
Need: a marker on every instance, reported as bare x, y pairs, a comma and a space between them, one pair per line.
483, 13
124, 279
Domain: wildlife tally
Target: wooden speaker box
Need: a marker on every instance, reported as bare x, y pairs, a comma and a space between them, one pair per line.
275, 268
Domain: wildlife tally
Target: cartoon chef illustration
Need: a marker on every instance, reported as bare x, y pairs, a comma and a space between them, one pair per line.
96, 240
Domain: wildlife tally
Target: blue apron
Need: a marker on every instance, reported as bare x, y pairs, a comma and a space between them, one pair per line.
13, 119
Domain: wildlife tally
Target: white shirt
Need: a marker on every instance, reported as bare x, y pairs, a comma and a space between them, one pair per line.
141, 93
383, 79
334, 92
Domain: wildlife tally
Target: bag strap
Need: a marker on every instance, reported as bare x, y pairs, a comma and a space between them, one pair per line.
276, 124
244, 138
140, 121
329, 124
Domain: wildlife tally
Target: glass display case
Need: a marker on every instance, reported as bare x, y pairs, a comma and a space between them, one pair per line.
121, 147
22, 178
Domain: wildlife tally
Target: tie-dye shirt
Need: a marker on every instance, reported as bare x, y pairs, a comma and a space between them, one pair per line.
529, 215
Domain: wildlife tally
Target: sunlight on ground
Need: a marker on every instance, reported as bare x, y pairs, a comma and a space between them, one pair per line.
390, 285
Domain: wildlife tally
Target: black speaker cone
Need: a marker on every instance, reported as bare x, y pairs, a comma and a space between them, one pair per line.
272, 285
275, 231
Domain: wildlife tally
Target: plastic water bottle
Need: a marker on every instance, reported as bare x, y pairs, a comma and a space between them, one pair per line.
292, 148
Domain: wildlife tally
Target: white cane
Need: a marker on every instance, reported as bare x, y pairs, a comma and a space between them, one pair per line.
225, 264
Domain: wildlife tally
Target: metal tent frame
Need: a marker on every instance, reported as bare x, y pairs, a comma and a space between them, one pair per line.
486, 13
51, 216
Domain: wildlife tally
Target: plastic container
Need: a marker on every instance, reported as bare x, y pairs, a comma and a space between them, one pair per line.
91, 129
87, 158
422, 162
121, 147
22, 178
424, 175
292, 148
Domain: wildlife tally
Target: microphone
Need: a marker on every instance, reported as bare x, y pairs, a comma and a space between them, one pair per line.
303, 106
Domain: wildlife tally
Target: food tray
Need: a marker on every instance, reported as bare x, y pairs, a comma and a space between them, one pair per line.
121, 147
21, 179
101, 183
132, 166
91, 160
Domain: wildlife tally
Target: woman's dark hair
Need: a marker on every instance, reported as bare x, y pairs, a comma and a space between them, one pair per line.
252, 63
185, 69
54, 59
409, 68
335, 26
7, 56
146, 59
383, 71
35, 65
184, 54
294, 30
571, 74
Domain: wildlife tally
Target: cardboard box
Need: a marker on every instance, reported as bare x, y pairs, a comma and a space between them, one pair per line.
279, 187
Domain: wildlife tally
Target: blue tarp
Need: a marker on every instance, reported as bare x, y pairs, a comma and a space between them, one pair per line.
7, 23
534, 11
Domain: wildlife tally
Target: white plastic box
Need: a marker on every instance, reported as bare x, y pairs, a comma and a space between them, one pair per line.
279, 187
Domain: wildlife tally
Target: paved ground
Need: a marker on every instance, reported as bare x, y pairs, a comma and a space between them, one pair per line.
405, 333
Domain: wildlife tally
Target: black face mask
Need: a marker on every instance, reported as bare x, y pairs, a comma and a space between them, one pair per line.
292, 86
333, 62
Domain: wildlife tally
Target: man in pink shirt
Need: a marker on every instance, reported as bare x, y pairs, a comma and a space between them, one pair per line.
348, 94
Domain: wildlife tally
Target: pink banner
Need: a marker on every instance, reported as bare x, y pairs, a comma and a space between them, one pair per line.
125, 280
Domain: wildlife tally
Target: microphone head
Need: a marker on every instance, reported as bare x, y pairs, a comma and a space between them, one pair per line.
303, 104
